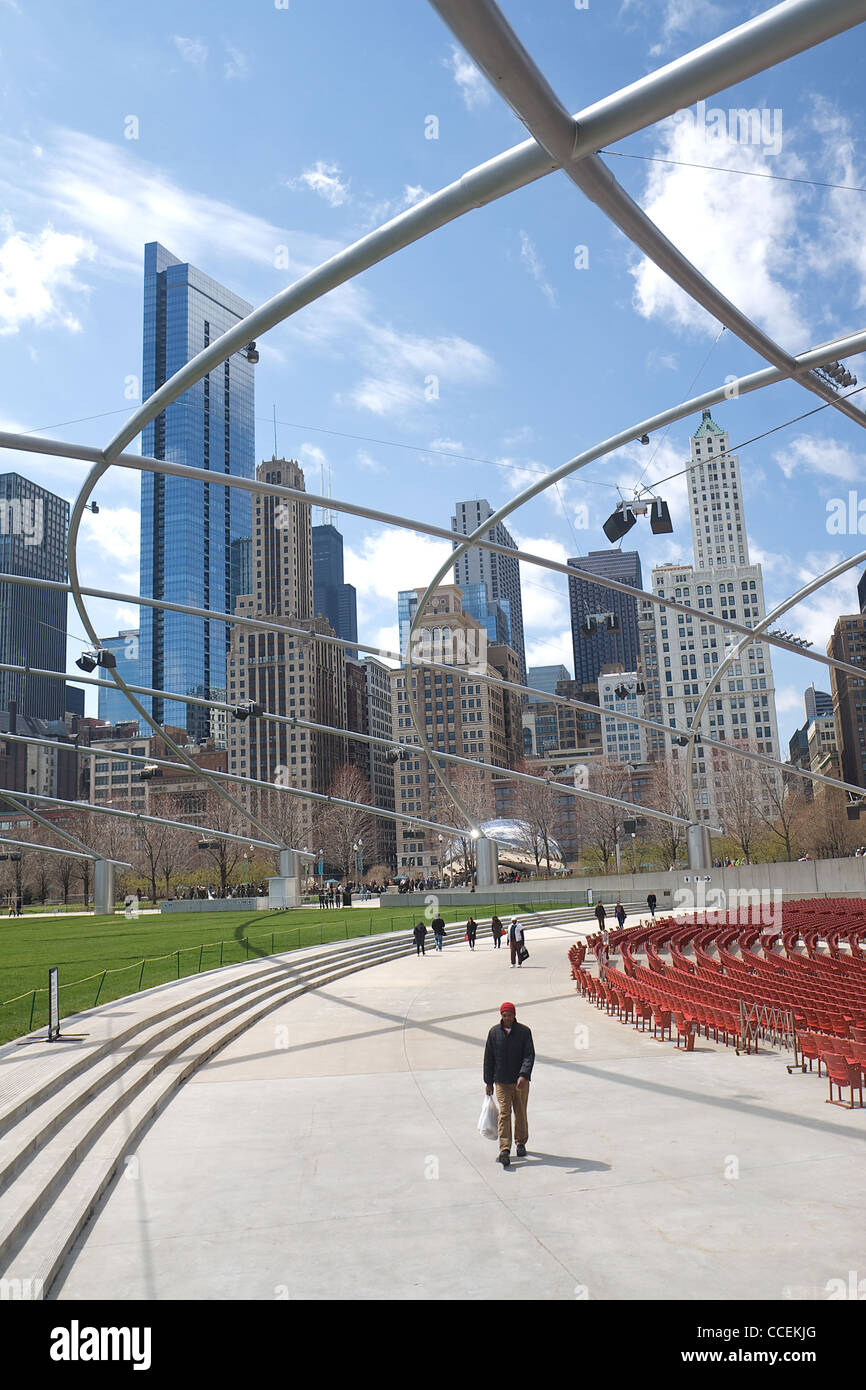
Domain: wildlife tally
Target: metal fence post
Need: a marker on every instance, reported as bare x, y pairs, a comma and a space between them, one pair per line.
221, 953
200, 953
141, 973
99, 988
32, 1008
247, 941
178, 965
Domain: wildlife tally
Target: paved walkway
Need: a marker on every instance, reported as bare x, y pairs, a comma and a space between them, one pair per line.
332, 1153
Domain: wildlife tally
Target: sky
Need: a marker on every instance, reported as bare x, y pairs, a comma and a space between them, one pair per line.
256, 141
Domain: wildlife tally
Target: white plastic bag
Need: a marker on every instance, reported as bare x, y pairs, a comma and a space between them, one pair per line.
488, 1121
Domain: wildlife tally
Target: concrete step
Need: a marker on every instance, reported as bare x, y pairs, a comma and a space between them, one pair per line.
32, 1194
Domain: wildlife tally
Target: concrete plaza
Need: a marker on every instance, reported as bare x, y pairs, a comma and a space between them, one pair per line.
331, 1153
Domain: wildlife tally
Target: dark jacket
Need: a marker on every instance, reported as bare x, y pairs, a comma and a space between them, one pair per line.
419, 931
508, 1055
438, 926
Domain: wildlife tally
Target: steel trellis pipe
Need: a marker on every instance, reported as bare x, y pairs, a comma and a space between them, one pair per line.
67, 835
72, 853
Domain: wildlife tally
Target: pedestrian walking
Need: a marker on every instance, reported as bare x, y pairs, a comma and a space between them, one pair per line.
619, 913
419, 931
471, 932
515, 942
497, 931
600, 915
651, 901
438, 932
509, 1057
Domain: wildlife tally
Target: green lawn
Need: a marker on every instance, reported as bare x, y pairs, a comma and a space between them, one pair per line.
145, 951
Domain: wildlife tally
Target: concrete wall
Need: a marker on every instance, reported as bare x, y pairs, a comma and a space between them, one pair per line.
215, 905
816, 878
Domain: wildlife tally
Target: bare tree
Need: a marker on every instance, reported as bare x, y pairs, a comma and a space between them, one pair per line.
827, 831
474, 787
782, 808
739, 795
339, 828
535, 806
598, 822
668, 791
224, 855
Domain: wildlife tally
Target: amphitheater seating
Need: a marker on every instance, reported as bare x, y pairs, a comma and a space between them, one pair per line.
736, 980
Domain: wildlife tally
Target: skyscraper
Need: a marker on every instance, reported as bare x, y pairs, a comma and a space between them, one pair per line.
299, 675
500, 573
606, 646
187, 528
333, 598
33, 526
114, 708
678, 664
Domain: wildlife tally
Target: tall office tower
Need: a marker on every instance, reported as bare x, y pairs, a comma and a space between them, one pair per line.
689, 649
501, 573
462, 715
281, 549
648, 672
716, 499
357, 752
303, 676
622, 742
113, 707
493, 616
240, 567
818, 703
546, 678
381, 773
848, 643
33, 526
333, 598
187, 528
608, 644
861, 592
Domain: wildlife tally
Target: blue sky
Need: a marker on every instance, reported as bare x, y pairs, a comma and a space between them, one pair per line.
266, 139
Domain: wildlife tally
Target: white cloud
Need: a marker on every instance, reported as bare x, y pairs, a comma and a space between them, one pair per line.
35, 273
193, 51
369, 464
555, 649
111, 542
391, 559
448, 446
828, 456
674, 18
789, 699
324, 179
752, 259
237, 64
410, 370
531, 260
473, 85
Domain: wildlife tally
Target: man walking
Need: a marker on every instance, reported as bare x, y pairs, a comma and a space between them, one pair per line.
651, 901
419, 931
438, 932
497, 930
509, 1057
471, 932
600, 915
515, 941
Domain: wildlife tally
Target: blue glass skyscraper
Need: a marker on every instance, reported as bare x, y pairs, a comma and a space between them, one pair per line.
187, 528
114, 707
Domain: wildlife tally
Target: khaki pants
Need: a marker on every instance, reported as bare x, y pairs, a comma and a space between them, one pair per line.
511, 1098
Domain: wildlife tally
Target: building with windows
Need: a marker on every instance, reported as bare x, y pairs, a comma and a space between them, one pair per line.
848, 643
622, 742
33, 527
500, 573
462, 715
546, 678
113, 706
188, 528
613, 641
381, 770
301, 676
333, 598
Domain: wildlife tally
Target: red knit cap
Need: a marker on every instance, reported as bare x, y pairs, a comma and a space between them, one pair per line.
507, 1008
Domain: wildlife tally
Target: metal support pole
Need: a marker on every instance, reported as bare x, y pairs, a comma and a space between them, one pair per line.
699, 847
486, 863
103, 887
